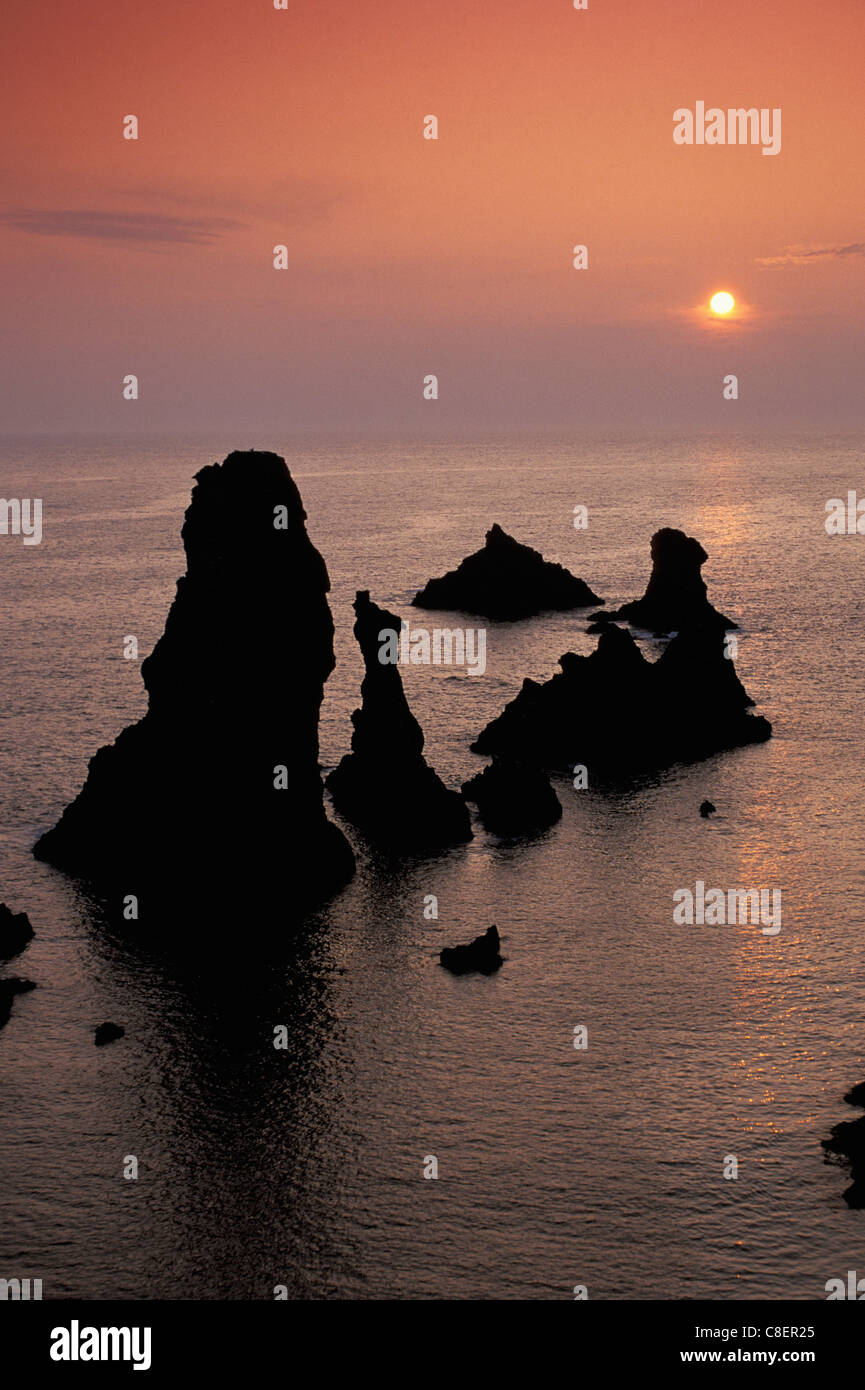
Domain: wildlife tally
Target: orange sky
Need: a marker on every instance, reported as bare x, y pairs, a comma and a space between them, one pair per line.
409, 256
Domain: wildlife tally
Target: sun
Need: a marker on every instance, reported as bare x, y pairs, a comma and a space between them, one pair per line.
722, 303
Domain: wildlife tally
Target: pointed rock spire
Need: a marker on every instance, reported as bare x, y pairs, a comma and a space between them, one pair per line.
216, 791
384, 785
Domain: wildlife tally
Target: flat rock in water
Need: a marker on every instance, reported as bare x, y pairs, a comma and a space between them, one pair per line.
108, 1032
481, 955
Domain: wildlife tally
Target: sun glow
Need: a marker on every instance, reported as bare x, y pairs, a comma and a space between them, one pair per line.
722, 303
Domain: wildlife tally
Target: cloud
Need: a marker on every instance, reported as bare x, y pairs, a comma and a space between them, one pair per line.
92, 225
801, 255
283, 198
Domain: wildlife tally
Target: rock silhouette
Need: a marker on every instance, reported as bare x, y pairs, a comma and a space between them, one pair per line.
215, 797
707, 809
15, 932
8, 990
481, 955
107, 1033
675, 596
847, 1142
384, 786
513, 799
614, 711
505, 579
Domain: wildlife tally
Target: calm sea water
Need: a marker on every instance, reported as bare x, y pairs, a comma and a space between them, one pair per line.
557, 1167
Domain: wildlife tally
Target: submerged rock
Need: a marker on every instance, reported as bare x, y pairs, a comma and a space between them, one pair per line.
707, 809
675, 596
15, 932
513, 799
8, 990
214, 798
847, 1142
107, 1033
482, 955
615, 711
384, 786
506, 580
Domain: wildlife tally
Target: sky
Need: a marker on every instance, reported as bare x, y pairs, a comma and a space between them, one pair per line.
409, 257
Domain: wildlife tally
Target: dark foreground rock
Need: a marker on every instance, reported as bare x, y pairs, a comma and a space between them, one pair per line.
847, 1142
384, 786
675, 596
707, 809
506, 580
481, 955
614, 711
8, 990
513, 799
214, 798
107, 1033
15, 932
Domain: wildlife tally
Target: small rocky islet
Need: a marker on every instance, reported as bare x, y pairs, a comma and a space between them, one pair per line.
481, 956
108, 1032
506, 580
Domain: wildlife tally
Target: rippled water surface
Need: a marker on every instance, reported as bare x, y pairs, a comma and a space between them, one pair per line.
557, 1167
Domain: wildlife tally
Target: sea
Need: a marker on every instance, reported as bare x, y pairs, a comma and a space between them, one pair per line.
711, 1050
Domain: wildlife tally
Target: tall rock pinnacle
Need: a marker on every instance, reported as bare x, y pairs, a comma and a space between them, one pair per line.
385, 786
216, 792
675, 596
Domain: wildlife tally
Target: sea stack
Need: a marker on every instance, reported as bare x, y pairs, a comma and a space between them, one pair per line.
214, 798
675, 596
505, 580
616, 712
384, 786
